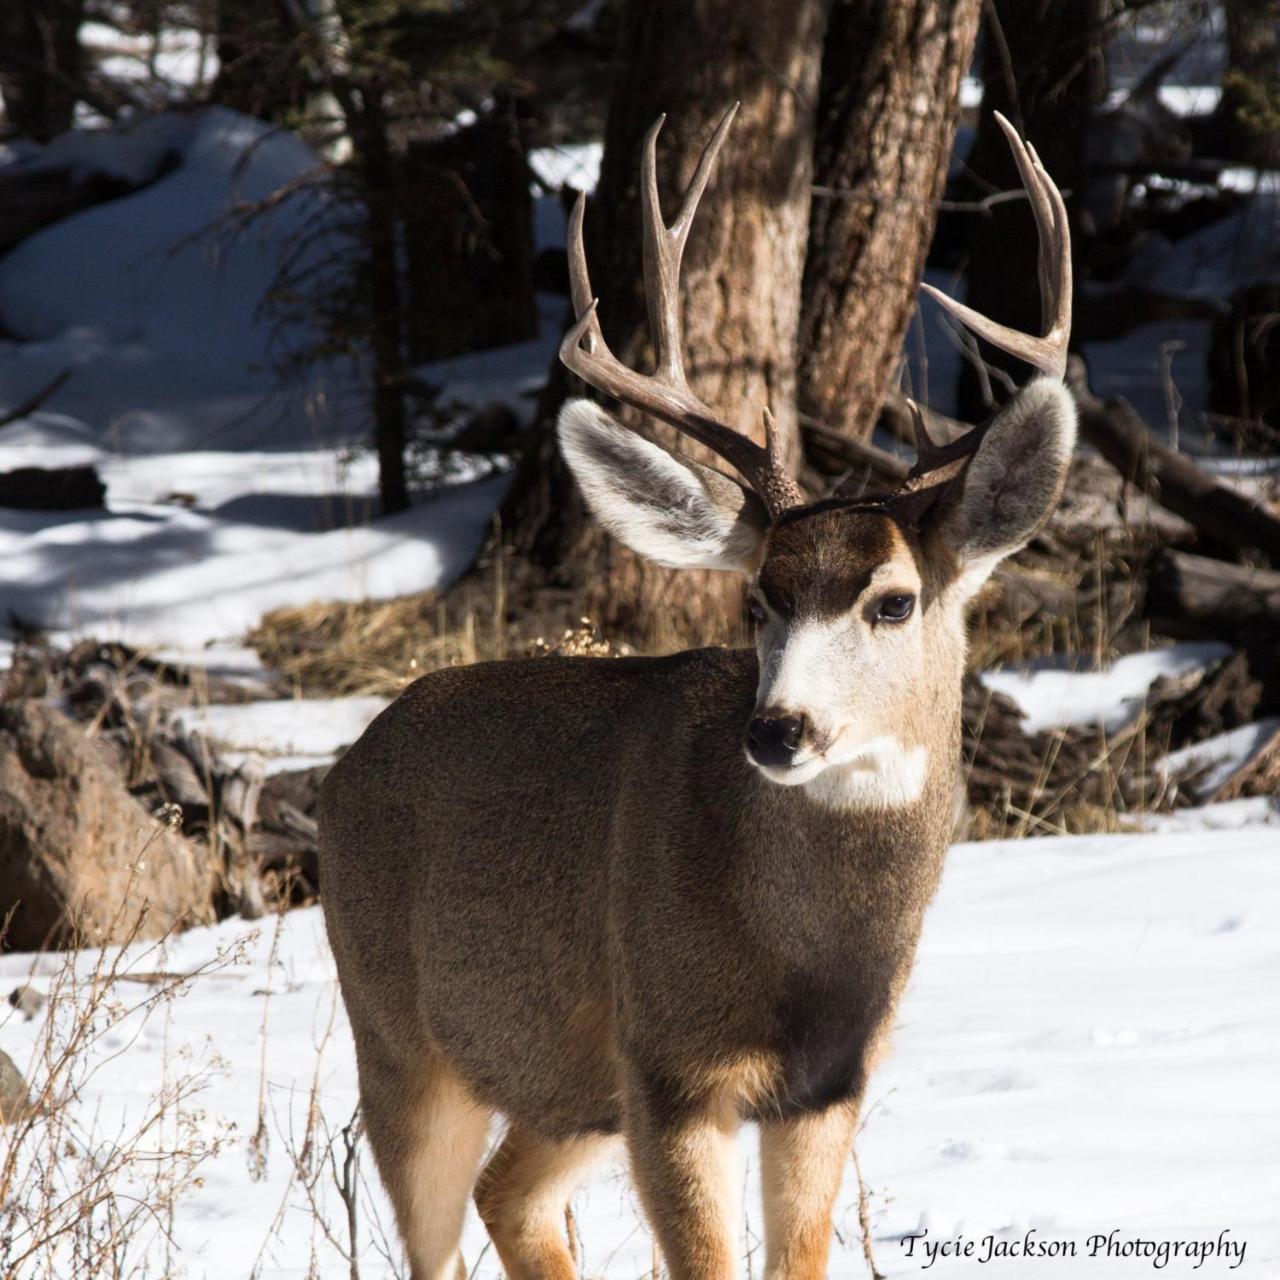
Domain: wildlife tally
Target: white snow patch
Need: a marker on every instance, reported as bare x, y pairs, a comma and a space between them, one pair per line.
573, 164
155, 305
1221, 755
1226, 815
281, 733
148, 573
1052, 694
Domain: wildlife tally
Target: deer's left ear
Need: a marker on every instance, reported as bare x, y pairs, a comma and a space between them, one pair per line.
1012, 483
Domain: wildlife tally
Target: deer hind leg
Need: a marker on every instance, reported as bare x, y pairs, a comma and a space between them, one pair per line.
802, 1163
522, 1196
428, 1136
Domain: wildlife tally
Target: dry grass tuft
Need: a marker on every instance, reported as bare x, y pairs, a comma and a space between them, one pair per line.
352, 648
583, 641
362, 647
84, 1201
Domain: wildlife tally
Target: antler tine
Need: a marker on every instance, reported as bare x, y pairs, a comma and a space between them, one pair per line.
663, 246
930, 456
665, 394
579, 280
1047, 352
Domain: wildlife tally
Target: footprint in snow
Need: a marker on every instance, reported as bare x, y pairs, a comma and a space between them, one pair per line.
964, 1149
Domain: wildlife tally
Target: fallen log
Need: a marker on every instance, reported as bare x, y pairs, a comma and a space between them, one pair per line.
52, 489
1199, 596
1221, 513
1258, 776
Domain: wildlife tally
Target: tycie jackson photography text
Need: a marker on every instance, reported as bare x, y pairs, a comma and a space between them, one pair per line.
989, 1248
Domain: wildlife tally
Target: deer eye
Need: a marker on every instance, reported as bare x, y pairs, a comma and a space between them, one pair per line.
757, 611
895, 608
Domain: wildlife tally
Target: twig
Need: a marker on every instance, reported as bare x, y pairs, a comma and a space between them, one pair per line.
864, 1220
967, 345
983, 206
32, 403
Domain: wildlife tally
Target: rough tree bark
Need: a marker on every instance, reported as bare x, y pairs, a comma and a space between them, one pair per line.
741, 286
887, 114
378, 180
41, 65
468, 231
1043, 68
259, 69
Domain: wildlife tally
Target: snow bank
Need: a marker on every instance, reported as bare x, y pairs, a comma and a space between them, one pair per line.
133, 152
285, 733
156, 306
1088, 1043
227, 497
1053, 693
152, 573
1226, 815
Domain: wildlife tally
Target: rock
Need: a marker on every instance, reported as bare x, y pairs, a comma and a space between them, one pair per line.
52, 489
15, 1102
27, 1000
81, 861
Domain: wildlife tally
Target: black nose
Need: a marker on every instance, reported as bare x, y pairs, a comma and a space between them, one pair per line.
774, 741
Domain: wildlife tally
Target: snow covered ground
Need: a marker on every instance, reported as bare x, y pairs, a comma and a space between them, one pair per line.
1088, 1044
228, 492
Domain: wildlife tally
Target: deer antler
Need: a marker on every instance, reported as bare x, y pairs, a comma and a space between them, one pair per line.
1048, 352
665, 393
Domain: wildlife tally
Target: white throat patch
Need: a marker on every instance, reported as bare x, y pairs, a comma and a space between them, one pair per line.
882, 775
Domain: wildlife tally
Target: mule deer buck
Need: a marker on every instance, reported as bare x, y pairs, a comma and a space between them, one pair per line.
658, 897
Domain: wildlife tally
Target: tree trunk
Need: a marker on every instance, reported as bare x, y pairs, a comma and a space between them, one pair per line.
1251, 87
41, 64
1043, 68
468, 229
741, 282
259, 59
887, 114
377, 170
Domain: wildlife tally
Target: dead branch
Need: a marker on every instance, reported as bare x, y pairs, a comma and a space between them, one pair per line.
32, 403
1196, 595
833, 453
1221, 513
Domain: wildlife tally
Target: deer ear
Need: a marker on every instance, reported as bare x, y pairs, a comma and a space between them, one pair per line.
1013, 482
669, 509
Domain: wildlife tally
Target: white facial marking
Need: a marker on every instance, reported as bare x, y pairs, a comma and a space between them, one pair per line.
834, 672
797, 675
883, 775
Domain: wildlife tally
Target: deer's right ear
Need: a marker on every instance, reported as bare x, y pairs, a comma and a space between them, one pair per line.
668, 509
